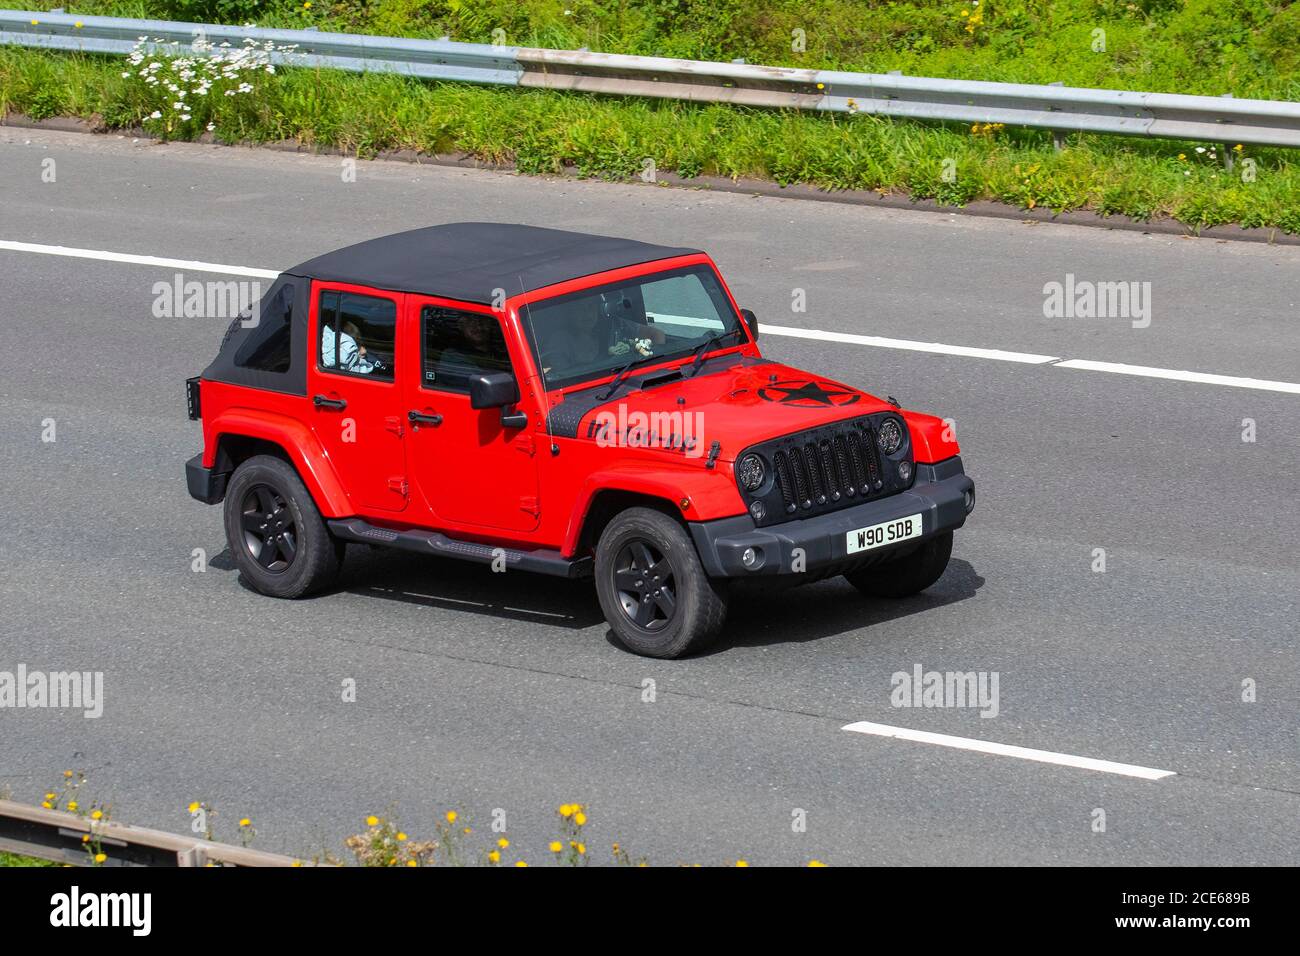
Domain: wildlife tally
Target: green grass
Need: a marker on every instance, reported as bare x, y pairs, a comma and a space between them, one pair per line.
542, 131
1244, 47
13, 859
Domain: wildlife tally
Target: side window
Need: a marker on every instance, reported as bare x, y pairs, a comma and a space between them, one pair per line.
268, 348
457, 345
357, 333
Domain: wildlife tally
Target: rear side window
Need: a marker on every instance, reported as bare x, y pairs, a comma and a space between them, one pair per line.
357, 334
268, 347
457, 345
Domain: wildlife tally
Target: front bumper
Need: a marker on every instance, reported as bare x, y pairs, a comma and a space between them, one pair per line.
939, 494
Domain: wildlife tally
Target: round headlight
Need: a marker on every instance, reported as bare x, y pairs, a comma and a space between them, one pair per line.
750, 472
890, 436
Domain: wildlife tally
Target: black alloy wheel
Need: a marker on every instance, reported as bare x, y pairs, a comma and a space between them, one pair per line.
270, 532
645, 585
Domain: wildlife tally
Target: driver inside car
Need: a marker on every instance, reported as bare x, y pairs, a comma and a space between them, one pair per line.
351, 354
598, 326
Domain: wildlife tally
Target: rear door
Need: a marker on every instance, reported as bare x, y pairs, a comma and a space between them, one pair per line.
356, 403
467, 468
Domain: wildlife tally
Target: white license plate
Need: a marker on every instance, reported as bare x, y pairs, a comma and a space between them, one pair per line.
887, 532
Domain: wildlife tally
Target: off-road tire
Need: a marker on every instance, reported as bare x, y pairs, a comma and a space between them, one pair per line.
699, 604
268, 505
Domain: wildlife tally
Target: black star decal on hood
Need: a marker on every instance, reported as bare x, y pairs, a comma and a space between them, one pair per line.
807, 394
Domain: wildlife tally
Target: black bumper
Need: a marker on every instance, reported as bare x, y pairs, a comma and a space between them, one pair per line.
205, 485
939, 494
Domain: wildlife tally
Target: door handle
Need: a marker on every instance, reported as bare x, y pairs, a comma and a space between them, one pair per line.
320, 401
418, 418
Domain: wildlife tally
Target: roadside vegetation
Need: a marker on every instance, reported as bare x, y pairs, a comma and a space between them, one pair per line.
1244, 47
453, 840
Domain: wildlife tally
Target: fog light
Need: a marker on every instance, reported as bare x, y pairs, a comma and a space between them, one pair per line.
749, 557
970, 500
905, 471
758, 510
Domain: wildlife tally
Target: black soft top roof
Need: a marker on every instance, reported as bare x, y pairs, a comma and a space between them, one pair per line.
470, 260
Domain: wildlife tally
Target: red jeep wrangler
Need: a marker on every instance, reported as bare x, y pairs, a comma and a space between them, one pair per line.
565, 404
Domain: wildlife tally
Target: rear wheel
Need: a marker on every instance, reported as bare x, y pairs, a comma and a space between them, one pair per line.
654, 592
907, 575
275, 532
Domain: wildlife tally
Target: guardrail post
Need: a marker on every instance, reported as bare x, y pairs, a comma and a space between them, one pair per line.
192, 856
1227, 149
1058, 137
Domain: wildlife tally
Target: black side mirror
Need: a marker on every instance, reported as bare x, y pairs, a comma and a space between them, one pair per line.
492, 390
751, 322
497, 390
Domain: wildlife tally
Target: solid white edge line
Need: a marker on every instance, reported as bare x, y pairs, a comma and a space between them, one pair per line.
939, 348
875, 341
104, 256
1202, 378
1006, 750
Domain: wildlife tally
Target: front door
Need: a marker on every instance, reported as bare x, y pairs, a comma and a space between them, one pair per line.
352, 381
467, 467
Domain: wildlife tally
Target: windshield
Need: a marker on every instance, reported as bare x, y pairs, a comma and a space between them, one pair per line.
594, 333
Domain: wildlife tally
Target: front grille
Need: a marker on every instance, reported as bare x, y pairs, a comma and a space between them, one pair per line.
824, 469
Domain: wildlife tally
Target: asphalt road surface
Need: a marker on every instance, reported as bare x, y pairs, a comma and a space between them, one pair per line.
479, 693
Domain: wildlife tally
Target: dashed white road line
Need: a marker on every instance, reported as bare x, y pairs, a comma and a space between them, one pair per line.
872, 341
1007, 750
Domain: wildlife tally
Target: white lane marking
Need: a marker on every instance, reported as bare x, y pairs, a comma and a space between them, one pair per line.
1202, 378
1006, 750
136, 260
882, 343
874, 341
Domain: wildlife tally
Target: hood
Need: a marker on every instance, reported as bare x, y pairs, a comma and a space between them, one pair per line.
740, 403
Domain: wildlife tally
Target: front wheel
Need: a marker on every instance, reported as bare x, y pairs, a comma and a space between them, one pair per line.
907, 575
275, 532
654, 592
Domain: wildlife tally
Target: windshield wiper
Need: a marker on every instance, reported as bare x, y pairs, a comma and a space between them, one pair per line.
703, 348
622, 373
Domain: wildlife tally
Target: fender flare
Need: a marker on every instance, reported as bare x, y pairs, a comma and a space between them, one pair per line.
298, 441
709, 498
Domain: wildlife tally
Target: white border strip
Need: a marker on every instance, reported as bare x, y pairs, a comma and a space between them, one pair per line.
873, 341
876, 341
1006, 750
1203, 378
137, 260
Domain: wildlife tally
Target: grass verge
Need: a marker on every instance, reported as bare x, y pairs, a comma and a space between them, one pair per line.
542, 131
14, 859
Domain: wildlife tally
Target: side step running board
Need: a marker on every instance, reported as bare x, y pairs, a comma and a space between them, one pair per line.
541, 561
